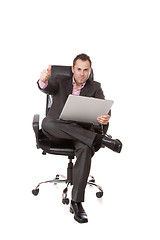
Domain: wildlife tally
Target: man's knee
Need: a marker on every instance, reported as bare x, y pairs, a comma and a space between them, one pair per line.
83, 148
45, 124
48, 125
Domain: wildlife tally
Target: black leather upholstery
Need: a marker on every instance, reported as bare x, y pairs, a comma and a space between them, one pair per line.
61, 70
65, 71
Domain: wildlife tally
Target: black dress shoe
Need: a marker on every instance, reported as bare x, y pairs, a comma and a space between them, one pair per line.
113, 144
78, 211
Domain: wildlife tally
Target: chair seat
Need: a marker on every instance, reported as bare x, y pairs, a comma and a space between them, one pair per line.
49, 146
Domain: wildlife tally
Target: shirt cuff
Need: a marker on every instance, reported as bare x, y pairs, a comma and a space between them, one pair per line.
43, 84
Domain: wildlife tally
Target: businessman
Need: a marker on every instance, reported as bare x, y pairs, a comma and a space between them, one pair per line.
85, 138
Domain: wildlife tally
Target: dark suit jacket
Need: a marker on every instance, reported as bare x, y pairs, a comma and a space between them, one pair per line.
60, 87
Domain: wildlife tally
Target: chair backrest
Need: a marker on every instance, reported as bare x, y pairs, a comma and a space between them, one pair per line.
63, 71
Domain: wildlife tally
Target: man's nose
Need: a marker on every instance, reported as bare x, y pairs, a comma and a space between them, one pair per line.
82, 73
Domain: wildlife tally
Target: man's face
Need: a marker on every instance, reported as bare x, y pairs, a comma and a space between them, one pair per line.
81, 71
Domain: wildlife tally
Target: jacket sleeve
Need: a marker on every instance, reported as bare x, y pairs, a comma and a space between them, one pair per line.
51, 88
99, 92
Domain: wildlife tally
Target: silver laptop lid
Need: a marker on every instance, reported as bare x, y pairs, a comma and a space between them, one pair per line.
85, 109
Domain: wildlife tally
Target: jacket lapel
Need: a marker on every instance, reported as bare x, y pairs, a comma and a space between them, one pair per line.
69, 86
86, 89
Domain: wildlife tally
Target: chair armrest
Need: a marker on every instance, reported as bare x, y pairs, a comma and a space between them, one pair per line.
105, 128
101, 129
35, 125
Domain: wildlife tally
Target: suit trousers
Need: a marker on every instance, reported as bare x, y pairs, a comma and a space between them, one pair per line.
82, 139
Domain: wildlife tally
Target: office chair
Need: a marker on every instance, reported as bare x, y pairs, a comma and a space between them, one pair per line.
65, 149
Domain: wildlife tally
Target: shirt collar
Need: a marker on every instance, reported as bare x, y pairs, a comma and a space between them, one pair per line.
74, 83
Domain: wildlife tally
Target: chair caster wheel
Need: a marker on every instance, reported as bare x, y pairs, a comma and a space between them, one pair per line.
99, 194
56, 178
35, 191
65, 201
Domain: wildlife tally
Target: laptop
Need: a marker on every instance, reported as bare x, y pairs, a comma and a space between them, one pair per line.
85, 109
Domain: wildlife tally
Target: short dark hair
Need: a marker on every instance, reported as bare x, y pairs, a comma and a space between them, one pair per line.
83, 57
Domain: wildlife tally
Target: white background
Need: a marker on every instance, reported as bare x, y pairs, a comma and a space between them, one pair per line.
123, 40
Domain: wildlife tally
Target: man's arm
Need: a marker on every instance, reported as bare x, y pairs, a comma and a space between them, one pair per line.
46, 84
99, 92
103, 119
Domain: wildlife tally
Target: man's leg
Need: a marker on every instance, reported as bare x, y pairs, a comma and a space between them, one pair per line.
64, 130
81, 170
83, 140
80, 175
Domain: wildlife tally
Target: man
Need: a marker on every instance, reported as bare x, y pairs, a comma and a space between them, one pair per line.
85, 140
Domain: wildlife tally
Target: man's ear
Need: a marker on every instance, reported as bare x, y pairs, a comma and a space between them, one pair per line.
72, 70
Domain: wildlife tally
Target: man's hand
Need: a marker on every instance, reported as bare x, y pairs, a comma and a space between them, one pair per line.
45, 74
103, 119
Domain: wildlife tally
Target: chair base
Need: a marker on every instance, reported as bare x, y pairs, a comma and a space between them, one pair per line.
68, 181
57, 180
